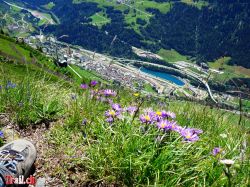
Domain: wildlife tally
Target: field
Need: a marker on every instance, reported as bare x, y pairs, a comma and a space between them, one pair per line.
229, 71
99, 19
172, 56
199, 4
137, 9
99, 134
49, 6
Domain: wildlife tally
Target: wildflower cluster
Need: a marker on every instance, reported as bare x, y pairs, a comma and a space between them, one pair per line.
101, 95
92, 83
113, 113
165, 121
117, 112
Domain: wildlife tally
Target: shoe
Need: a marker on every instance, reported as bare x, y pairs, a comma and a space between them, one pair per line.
17, 159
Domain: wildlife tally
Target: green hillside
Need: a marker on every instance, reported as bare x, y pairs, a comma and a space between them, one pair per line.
98, 134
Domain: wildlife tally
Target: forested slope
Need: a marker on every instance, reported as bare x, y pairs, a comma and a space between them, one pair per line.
205, 30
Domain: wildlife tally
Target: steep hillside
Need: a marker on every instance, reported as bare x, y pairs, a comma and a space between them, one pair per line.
92, 134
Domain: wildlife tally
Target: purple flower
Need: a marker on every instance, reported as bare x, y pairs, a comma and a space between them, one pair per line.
116, 107
147, 118
174, 127
84, 86
196, 131
1, 134
93, 83
216, 151
109, 92
160, 115
10, 85
111, 113
189, 136
110, 120
164, 124
170, 115
131, 110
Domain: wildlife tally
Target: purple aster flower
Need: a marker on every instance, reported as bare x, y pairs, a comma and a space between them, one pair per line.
109, 92
216, 151
170, 115
131, 109
147, 118
111, 113
159, 115
162, 114
84, 86
110, 120
189, 136
1, 134
174, 127
116, 107
93, 83
164, 124
196, 131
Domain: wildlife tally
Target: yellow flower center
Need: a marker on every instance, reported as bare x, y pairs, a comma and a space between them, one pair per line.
147, 118
112, 113
159, 113
136, 94
163, 125
188, 136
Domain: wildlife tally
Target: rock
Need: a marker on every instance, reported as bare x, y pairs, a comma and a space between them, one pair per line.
10, 134
40, 182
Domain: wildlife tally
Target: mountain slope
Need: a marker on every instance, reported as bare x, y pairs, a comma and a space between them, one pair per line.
97, 136
206, 30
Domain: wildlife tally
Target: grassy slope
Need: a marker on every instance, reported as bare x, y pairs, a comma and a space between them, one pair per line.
99, 19
127, 152
9, 48
229, 71
200, 4
172, 55
49, 6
